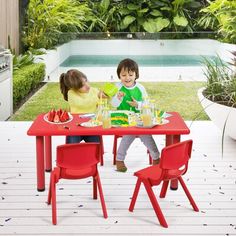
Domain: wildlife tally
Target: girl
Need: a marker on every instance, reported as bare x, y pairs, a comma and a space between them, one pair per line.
81, 98
130, 97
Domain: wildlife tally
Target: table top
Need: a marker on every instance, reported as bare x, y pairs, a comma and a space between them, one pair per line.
40, 127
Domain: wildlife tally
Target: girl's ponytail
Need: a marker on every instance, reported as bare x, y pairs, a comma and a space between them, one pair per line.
64, 89
72, 79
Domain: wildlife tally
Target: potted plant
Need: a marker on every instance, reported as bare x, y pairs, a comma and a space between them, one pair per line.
218, 97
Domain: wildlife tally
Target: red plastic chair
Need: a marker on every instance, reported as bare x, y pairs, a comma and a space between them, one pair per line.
173, 164
101, 150
76, 161
114, 150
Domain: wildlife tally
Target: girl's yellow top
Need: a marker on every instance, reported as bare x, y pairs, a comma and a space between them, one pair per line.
83, 102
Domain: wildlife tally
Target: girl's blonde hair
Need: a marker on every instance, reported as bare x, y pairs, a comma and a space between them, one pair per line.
72, 79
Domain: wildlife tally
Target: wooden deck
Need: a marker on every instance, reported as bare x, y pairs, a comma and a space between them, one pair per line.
211, 180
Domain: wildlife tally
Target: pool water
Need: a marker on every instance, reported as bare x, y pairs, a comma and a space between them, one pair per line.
142, 60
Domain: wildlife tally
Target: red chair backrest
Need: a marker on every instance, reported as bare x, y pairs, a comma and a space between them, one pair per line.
176, 156
77, 155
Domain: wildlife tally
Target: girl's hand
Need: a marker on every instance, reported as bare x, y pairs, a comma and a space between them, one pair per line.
133, 103
120, 95
102, 94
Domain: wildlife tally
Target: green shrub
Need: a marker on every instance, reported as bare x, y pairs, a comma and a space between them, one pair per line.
221, 82
25, 80
220, 15
49, 21
22, 60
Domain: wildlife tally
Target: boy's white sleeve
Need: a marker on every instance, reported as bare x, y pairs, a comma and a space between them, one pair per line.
115, 101
139, 105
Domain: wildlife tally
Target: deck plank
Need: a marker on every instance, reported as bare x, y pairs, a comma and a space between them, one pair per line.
211, 179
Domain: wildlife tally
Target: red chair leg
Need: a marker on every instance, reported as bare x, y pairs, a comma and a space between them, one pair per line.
49, 194
192, 202
104, 209
135, 195
53, 193
155, 204
95, 195
164, 189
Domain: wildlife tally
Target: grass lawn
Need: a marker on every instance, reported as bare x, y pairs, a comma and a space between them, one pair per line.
170, 96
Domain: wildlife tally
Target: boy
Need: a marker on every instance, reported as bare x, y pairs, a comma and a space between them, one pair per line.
130, 97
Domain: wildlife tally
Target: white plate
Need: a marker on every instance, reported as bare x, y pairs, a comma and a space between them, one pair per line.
58, 123
164, 121
90, 124
87, 115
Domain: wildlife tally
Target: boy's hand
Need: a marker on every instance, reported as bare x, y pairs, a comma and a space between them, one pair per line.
133, 103
120, 95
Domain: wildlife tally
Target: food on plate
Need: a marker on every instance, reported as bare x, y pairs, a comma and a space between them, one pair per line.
160, 113
91, 123
57, 116
119, 118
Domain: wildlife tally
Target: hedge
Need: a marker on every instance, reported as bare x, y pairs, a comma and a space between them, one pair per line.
25, 80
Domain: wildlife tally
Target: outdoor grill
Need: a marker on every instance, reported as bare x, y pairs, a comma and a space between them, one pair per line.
6, 84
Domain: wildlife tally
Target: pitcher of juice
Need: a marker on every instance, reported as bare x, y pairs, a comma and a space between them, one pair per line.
110, 89
146, 115
99, 111
106, 119
152, 103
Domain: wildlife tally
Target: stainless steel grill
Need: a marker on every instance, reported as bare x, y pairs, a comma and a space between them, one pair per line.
6, 88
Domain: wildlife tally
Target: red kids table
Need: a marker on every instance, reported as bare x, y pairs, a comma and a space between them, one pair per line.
43, 131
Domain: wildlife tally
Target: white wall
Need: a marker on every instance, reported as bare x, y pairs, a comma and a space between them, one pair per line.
144, 47
53, 58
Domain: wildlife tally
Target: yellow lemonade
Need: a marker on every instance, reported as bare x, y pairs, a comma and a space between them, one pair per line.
147, 119
99, 117
106, 123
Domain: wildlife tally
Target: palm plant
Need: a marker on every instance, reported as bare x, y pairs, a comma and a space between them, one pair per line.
220, 16
105, 16
49, 20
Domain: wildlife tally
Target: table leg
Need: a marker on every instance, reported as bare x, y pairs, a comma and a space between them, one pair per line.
48, 153
176, 138
171, 139
40, 163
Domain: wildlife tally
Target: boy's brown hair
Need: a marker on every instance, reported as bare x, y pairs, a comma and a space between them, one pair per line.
128, 64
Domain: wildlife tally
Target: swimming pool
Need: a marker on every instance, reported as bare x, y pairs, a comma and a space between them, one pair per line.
142, 60
159, 60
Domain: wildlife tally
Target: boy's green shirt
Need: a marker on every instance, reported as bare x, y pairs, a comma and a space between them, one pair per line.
137, 92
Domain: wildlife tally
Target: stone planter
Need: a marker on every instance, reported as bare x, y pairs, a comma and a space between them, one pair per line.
218, 114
